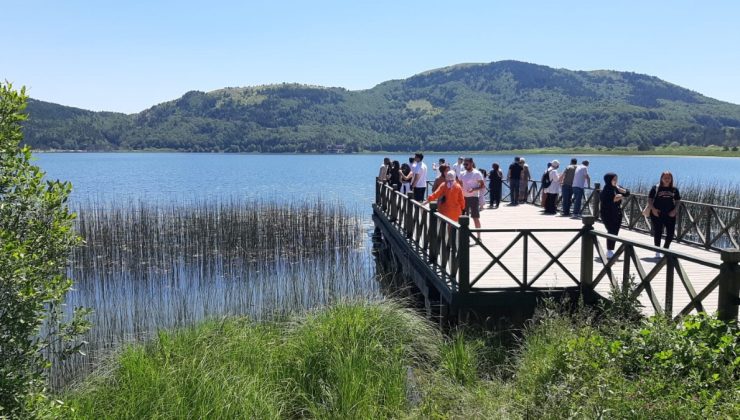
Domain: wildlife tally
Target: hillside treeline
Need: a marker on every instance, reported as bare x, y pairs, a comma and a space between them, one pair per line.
483, 107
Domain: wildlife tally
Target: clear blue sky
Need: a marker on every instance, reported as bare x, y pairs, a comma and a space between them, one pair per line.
129, 55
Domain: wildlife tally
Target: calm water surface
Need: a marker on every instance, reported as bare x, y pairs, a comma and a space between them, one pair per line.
111, 177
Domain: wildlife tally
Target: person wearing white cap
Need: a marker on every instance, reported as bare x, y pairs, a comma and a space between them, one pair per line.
553, 189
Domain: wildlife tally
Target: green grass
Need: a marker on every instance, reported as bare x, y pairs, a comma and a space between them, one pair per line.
380, 360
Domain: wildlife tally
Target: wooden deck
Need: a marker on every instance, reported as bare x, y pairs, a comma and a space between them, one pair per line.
528, 216
523, 255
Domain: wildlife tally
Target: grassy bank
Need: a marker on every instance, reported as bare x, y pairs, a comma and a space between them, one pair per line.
379, 360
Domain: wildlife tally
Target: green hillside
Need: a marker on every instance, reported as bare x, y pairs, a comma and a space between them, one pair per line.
497, 106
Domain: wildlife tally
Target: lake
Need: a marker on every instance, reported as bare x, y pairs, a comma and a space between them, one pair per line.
122, 177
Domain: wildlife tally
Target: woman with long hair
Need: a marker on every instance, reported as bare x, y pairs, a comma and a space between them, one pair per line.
611, 208
663, 202
395, 175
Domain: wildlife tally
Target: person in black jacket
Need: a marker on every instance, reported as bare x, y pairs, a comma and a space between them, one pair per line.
663, 201
611, 208
496, 178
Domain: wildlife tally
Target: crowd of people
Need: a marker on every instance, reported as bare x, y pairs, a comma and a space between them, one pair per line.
460, 189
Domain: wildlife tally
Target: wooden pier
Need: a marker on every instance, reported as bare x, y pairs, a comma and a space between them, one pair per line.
521, 255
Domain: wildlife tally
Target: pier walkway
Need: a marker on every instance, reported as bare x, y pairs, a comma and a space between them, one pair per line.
523, 255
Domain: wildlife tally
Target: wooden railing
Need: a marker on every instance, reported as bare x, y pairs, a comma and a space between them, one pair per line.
445, 246
705, 225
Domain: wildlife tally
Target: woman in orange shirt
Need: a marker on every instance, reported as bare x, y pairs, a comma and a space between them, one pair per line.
449, 198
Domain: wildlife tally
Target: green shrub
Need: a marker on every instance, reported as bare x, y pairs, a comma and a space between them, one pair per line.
35, 238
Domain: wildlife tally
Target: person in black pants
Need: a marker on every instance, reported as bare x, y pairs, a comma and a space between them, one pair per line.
663, 202
514, 177
611, 208
494, 185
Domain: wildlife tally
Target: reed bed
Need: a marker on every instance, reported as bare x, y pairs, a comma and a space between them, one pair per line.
146, 267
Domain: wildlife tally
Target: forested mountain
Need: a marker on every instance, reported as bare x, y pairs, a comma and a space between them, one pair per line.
496, 106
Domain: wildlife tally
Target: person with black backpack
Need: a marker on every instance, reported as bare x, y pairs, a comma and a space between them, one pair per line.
544, 183
553, 188
663, 202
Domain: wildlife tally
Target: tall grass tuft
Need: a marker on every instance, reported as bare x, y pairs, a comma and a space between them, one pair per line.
146, 267
346, 361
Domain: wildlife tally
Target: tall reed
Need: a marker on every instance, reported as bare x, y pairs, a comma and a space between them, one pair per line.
146, 267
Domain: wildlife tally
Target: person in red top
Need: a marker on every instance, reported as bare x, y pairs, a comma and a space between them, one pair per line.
449, 198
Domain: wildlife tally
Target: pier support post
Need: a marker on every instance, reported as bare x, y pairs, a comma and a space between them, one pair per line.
377, 191
597, 201
409, 217
433, 232
463, 254
587, 253
729, 285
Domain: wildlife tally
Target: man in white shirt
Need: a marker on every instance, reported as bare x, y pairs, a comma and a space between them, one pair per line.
419, 181
458, 167
472, 183
581, 180
383, 175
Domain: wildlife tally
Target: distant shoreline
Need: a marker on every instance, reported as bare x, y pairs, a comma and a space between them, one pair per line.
682, 151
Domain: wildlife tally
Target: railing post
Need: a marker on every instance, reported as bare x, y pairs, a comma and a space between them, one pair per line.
596, 196
708, 228
409, 216
670, 268
463, 254
729, 285
377, 191
432, 232
587, 252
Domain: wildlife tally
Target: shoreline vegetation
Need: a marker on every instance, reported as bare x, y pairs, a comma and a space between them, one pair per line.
680, 151
364, 359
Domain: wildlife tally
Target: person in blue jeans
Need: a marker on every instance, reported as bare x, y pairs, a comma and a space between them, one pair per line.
581, 180
566, 185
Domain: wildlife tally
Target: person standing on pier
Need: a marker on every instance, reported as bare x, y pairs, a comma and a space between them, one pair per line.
663, 201
514, 176
566, 181
458, 167
611, 208
385, 168
482, 192
395, 177
523, 181
449, 196
553, 189
442, 178
406, 178
581, 180
495, 180
544, 183
419, 182
472, 184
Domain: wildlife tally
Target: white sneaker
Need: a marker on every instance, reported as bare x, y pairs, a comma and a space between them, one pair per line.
609, 253
658, 255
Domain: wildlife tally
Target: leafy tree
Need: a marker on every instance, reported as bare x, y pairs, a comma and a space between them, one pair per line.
35, 238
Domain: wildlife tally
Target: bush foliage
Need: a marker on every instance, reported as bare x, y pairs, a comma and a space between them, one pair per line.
35, 239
